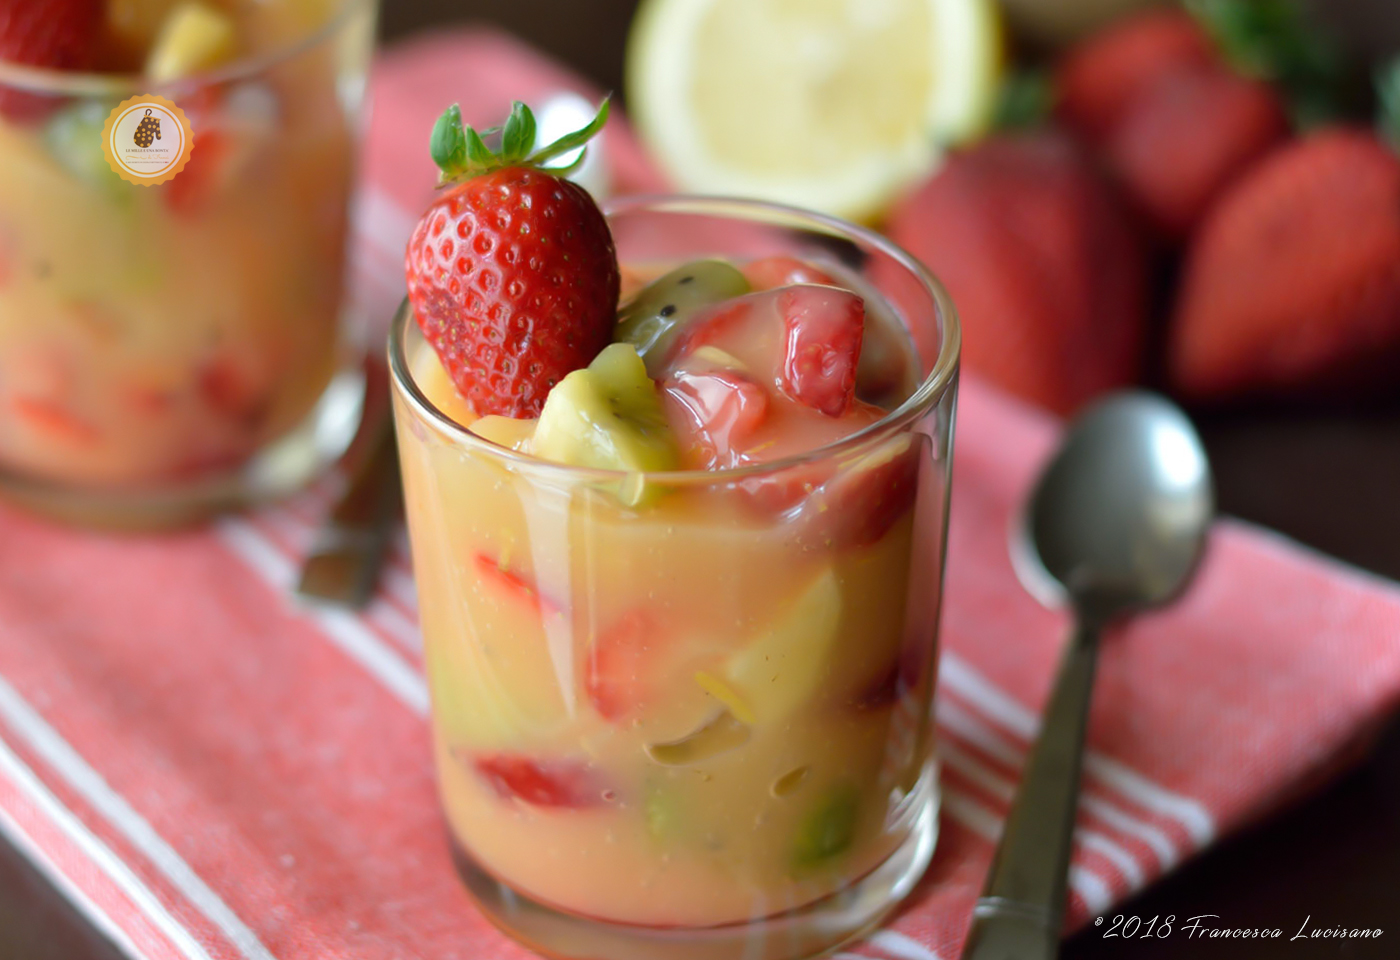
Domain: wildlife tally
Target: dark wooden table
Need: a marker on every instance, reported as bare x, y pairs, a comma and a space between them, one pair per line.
1331, 480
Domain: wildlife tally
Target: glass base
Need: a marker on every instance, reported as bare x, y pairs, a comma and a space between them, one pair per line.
811, 931
279, 469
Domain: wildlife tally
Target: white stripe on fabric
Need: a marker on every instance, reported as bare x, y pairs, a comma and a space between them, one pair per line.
382, 220
899, 945
1005, 709
342, 627
1004, 789
982, 820
28, 848
974, 731
98, 853
391, 620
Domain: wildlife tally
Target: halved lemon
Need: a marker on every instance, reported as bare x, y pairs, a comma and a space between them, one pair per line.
830, 104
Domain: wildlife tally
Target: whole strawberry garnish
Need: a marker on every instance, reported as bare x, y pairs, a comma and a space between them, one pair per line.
1293, 283
58, 34
511, 270
1042, 263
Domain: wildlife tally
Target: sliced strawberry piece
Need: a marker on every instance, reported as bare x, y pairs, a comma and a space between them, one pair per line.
861, 504
192, 191
56, 420
770, 272
229, 387
538, 782
715, 414
615, 676
806, 336
823, 334
513, 585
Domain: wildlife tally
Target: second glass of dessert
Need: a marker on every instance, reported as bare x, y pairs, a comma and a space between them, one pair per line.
679, 602
170, 348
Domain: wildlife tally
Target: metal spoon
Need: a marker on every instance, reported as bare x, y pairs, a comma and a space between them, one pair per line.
1116, 525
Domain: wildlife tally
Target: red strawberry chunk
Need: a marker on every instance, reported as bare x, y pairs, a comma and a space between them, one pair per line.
716, 414
512, 585
615, 675
52, 418
770, 272
859, 504
805, 337
538, 782
823, 334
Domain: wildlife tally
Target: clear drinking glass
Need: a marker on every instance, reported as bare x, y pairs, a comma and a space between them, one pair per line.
171, 349
688, 714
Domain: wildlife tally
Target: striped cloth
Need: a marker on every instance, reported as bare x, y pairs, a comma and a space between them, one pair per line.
207, 770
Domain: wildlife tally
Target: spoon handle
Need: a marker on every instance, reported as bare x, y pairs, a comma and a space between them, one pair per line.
1021, 910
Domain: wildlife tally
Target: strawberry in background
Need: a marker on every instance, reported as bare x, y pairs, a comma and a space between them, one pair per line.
1042, 262
1173, 103
57, 34
1293, 284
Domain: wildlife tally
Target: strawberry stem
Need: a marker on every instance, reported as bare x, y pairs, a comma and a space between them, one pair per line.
460, 152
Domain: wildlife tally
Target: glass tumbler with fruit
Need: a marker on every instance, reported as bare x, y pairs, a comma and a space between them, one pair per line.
679, 561
168, 349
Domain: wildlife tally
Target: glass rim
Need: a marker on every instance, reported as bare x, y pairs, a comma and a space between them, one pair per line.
942, 375
79, 83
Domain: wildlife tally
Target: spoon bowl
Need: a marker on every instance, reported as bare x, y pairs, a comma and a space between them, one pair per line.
1118, 520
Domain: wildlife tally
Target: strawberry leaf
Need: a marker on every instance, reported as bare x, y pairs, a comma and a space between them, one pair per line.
518, 138
460, 152
572, 141
448, 145
479, 155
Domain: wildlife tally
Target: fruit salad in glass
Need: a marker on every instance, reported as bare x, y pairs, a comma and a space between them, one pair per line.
169, 348
676, 479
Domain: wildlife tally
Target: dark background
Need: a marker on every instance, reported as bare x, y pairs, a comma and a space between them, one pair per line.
1329, 479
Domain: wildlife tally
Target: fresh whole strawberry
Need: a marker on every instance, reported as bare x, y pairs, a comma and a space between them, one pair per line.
1293, 283
1186, 137
1173, 120
1042, 263
57, 34
1098, 80
511, 270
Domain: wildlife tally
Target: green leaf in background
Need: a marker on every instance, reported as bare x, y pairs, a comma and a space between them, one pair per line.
1275, 41
1024, 100
1388, 98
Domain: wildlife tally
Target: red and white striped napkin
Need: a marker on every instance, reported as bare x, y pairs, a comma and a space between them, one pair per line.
207, 770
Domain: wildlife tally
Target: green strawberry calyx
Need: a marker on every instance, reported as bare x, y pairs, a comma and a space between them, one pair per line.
460, 152
1388, 101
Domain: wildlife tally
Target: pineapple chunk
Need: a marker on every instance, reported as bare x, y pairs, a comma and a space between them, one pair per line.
195, 37
782, 669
